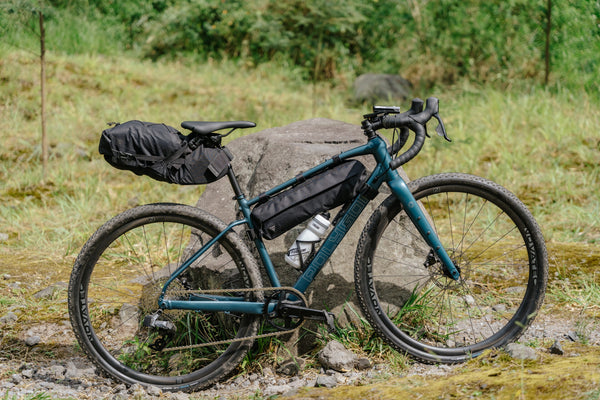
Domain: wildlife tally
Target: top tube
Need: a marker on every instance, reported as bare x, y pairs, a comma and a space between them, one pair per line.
375, 146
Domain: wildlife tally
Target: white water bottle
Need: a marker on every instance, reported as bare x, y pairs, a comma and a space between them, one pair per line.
304, 246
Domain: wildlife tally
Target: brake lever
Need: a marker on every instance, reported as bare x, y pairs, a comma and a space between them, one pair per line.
441, 129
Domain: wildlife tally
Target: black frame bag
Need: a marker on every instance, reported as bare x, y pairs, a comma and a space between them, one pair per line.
322, 192
163, 153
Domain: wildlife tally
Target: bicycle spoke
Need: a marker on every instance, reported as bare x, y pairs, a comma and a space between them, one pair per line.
484, 240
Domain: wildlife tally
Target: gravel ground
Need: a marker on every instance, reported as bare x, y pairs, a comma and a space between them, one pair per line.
73, 376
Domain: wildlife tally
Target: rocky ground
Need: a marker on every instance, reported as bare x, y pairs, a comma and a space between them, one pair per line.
66, 374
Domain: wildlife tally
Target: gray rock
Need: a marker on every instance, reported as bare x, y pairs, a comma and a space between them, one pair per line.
572, 336
521, 352
3, 237
363, 363
275, 155
32, 340
16, 378
137, 390
291, 367
335, 356
72, 371
328, 381
9, 318
75, 372
177, 396
119, 388
56, 371
49, 292
28, 373
556, 348
121, 396
276, 389
381, 88
154, 391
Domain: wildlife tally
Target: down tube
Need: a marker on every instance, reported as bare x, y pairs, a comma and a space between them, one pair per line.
331, 243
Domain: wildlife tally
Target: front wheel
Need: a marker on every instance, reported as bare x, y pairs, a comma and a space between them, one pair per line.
492, 239
118, 279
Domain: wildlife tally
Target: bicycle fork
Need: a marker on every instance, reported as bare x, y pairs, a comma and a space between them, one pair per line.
421, 222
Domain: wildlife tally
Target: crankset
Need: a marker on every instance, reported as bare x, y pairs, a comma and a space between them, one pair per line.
290, 311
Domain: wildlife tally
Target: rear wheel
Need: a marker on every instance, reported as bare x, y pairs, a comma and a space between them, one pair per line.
494, 242
115, 287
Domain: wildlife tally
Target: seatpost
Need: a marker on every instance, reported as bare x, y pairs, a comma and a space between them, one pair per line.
235, 185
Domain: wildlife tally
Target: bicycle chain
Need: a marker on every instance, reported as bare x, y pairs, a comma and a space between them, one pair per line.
235, 340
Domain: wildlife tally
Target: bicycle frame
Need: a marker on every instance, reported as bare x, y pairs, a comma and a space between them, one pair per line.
376, 147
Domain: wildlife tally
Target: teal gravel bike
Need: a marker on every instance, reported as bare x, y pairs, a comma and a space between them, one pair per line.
169, 295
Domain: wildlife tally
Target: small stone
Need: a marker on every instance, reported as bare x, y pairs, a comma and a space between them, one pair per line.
335, 356
556, 348
327, 381
119, 388
49, 292
572, 336
521, 352
137, 390
32, 340
121, 396
72, 371
291, 366
363, 363
16, 378
3, 237
178, 396
28, 373
276, 390
9, 318
499, 308
154, 391
469, 300
57, 371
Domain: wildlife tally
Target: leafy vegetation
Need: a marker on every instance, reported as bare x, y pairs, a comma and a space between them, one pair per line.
431, 42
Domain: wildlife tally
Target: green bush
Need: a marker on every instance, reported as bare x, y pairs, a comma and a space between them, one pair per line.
429, 42
318, 35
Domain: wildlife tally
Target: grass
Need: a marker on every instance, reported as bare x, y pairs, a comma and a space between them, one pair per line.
491, 376
537, 144
541, 145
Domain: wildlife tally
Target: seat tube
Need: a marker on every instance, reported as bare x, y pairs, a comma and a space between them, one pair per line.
421, 222
260, 246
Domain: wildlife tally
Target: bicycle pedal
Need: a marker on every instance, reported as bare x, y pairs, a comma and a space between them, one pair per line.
330, 321
289, 310
153, 321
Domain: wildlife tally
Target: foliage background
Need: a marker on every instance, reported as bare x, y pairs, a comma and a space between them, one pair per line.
429, 41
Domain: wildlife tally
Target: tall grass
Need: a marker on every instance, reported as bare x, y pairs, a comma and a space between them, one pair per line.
540, 145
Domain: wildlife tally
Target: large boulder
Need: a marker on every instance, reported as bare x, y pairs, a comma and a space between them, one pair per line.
267, 158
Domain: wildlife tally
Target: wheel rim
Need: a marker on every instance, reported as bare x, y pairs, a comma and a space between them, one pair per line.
490, 245
123, 289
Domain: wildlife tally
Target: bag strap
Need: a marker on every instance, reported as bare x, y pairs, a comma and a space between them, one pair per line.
177, 154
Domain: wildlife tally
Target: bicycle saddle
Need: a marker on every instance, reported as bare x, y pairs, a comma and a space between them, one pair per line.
208, 127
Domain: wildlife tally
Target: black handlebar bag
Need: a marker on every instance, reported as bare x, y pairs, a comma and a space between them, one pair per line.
329, 189
163, 153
